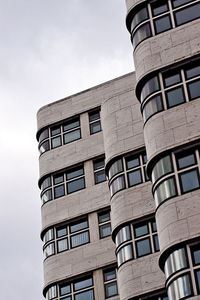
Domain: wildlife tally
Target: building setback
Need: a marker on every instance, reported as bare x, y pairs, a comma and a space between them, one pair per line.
119, 170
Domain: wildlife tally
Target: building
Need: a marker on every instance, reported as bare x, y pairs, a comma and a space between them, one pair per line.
101, 232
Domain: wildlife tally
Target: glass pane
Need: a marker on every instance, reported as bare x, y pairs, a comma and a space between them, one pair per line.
162, 24
49, 235
82, 284
187, 14
192, 72
72, 136
143, 247
61, 231
185, 160
134, 177
144, 158
196, 254
172, 79
189, 181
177, 3
180, 288
158, 9
117, 185
139, 17
62, 245
111, 289
194, 89
79, 239
95, 115
55, 130
75, 185
198, 279
46, 196
44, 135
105, 230
100, 176
141, 34
162, 167
123, 235
59, 191
132, 162
88, 295
46, 183
98, 164
153, 226
104, 217
52, 292
164, 191
175, 97
75, 173
124, 254
152, 107
56, 142
79, 226
109, 275
49, 250
71, 124
175, 262
115, 168
150, 87
156, 243
65, 289
95, 127
44, 147
141, 230
58, 179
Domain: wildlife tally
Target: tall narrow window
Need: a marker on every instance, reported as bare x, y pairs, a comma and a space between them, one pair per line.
99, 172
94, 120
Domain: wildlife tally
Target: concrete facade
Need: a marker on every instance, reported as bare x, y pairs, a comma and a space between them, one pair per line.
119, 158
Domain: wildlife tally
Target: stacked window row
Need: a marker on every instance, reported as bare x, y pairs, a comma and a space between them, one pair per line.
136, 240
67, 132
70, 181
127, 171
182, 270
83, 289
159, 16
169, 89
63, 238
176, 174
74, 234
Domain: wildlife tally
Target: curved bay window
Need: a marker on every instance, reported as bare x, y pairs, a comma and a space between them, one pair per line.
175, 174
169, 89
81, 289
65, 237
159, 16
182, 272
127, 171
136, 240
61, 184
58, 135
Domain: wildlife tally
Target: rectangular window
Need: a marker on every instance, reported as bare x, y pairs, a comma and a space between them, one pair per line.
189, 180
175, 97
75, 179
187, 14
94, 121
110, 282
104, 224
99, 172
71, 130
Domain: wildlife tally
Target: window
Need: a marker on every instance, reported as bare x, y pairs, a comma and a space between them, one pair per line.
163, 16
94, 121
110, 282
99, 172
81, 289
61, 184
165, 183
179, 267
127, 171
65, 237
58, 135
136, 240
104, 224
178, 86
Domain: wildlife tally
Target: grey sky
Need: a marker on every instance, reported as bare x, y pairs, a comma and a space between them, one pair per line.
49, 50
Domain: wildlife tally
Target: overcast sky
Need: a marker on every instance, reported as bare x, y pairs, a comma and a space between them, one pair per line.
50, 49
